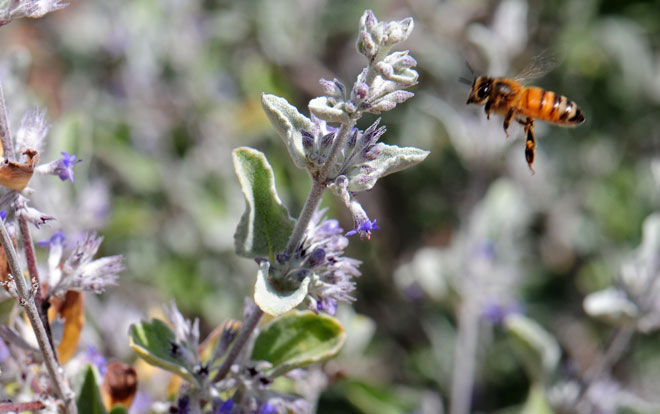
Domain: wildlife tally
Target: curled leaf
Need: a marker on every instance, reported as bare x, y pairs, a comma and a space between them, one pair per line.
16, 175
71, 309
273, 301
328, 110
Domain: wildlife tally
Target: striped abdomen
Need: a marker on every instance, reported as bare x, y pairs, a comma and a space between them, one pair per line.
550, 107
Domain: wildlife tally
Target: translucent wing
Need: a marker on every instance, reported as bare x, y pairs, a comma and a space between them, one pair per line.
540, 65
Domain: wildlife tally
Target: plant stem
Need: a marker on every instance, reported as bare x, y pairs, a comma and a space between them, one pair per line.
26, 299
615, 350
464, 357
242, 339
20, 407
319, 185
5, 137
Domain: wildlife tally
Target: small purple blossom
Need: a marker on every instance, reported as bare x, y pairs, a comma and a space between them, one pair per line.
496, 313
94, 357
3, 215
183, 405
4, 351
58, 238
64, 167
327, 305
225, 408
365, 228
267, 408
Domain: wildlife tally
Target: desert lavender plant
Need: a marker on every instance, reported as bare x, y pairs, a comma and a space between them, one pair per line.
301, 261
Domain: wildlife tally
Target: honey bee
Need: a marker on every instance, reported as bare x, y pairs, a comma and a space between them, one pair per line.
509, 97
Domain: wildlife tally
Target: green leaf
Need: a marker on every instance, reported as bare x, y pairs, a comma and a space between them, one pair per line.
392, 159
534, 345
89, 399
119, 409
298, 339
536, 402
152, 342
273, 301
372, 398
288, 122
265, 226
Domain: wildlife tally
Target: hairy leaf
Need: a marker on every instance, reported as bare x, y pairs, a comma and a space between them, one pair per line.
152, 341
298, 339
265, 226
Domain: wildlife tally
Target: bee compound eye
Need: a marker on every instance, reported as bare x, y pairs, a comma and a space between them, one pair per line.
483, 91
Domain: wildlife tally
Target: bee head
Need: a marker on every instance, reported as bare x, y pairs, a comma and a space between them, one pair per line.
480, 90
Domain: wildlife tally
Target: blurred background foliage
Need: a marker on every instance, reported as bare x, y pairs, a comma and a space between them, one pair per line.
154, 94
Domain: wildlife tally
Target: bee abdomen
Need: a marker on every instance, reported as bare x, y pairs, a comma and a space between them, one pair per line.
551, 107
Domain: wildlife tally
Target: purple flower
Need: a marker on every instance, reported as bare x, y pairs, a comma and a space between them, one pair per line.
327, 305
58, 238
4, 351
64, 167
496, 313
94, 357
364, 228
225, 408
183, 405
267, 408
3, 215
322, 253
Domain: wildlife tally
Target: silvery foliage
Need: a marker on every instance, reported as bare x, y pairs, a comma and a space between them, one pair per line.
33, 9
635, 299
352, 161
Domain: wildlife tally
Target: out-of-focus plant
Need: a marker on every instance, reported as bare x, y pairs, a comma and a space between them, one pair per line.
301, 261
51, 297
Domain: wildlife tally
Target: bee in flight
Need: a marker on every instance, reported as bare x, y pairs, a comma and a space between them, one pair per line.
508, 97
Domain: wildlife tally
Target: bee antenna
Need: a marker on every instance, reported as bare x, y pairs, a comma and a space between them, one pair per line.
470, 68
465, 80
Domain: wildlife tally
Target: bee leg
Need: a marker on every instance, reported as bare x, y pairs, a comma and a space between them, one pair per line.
530, 143
507, 121
487, 109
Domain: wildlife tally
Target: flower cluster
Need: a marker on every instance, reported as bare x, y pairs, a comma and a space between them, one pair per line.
79, 271
320, 257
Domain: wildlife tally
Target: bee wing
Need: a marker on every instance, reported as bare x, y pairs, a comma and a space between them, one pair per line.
540, 65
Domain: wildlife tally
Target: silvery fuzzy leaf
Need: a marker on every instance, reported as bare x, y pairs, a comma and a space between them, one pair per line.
266, 225
288, 122
324, 108
362, 177
611, 305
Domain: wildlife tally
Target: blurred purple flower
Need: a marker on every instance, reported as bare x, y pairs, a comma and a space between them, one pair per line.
65, 165
225, 408
496, 313
267, 408
183, 405
4, 351
94, 357
58, 238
